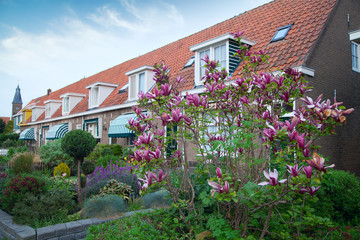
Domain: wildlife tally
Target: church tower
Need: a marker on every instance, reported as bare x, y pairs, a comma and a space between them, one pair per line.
17, 102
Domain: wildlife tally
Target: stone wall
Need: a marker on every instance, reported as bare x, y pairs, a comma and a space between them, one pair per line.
63, 231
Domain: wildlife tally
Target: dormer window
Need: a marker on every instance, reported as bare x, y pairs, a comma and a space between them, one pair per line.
355, 50
51, 106
69, 101
281, 33
140, 80
36, 112
220, 49
98, 92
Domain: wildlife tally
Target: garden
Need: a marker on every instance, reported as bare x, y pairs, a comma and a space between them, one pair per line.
258, 174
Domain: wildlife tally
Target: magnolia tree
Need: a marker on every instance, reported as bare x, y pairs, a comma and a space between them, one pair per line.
241, 137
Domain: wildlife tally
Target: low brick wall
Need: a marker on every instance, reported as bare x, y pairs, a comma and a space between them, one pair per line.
63, 231
10, 230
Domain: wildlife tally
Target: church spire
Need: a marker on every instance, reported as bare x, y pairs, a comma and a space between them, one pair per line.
17, 96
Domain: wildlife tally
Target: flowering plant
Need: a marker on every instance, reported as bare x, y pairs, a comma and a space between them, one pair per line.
239, 126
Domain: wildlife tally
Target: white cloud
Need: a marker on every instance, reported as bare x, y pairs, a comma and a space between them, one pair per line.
72, 48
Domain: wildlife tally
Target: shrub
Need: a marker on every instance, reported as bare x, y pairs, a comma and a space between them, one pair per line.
13, 150
78, 144
159, 224
88, 167
104, 150
52, 154
101, 175
103, 207
67, 188
156, 199
113, 187
21, 162
41, 210
339, 194
17, 188
61, 170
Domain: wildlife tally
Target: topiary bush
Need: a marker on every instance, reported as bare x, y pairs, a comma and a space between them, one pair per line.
43, 209
78, 144
88, 167
114, 187
103, 207
21, 162
62, 170
339, 194
17, 188
156, 199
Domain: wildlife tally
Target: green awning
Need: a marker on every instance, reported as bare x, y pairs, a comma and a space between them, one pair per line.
57, 131
118, 126
27, 134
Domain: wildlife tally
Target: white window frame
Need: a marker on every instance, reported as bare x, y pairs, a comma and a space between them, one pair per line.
66, 105
94, 97
199, 64
355, 56
134, 81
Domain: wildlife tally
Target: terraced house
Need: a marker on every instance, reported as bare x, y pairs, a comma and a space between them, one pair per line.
320, 38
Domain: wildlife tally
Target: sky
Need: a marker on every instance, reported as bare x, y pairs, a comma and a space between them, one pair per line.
53, 43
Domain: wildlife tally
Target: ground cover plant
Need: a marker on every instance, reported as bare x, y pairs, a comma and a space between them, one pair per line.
264, 170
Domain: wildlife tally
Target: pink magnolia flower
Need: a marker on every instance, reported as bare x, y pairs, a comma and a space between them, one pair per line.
294, 171
146, 138
161, 176
156, 154
176, 114
218, 188
218, 172
308, 171
165, 89
311, 190
317, 162
273, 178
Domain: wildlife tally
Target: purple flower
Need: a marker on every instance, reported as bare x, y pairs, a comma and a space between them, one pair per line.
176, 115
273, 178
146, 138
294, 171
270, 133
311, 190
156, 154
165, 89
218, 172
308, 171
317, 162
218, 188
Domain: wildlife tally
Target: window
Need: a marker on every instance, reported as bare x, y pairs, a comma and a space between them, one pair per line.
281, 33
140, 80
94, 97
66, 105
92, 126
190, 62
355, 53
220, 49
98, 92
47, 110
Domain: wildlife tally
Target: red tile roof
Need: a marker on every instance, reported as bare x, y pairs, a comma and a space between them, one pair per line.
5, 119
308, 18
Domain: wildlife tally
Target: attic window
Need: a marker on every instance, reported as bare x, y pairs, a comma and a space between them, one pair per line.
355, 50
190, 62
123, 89
281, 33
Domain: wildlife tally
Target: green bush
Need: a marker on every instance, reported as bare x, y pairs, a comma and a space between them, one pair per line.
52, 155
17, 188
13, 150
159, 224
21, 162
156, 199
103, 207
114, 187
104, 150
339, 196
61, 169
88, 167
44, 209
67, 188
8, 136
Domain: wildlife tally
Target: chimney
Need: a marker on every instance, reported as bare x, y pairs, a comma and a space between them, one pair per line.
48, 91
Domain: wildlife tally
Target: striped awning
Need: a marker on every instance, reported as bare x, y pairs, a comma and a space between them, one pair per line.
118, 126
57, 131
27, 134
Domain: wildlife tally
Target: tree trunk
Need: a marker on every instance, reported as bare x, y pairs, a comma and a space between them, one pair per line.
79, 183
